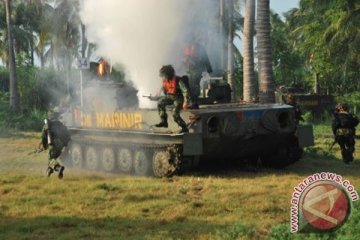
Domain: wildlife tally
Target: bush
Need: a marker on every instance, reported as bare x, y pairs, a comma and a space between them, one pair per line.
38, 89
237, 231
350, 230
308, 117
25, 120
353, 101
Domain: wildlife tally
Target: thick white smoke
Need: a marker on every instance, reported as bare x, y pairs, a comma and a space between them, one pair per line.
143, 35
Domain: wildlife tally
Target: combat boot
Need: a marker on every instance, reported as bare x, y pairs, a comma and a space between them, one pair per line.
61, 172
162, 124
49, 171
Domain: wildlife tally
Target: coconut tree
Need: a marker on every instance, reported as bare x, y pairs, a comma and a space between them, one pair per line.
288, 63
266, 79
230, 48
63, 40
14, 98
327, 34
60, 32
231, 24
248, 50
26, 26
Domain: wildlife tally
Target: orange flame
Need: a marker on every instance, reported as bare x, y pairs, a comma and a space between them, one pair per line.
101, 68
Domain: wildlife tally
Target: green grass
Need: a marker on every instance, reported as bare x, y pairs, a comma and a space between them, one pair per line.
231, 204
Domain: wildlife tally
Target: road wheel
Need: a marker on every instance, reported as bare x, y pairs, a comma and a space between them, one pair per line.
76, 155
142, 163
287, 153
161, 164
124, 160
108, 159
91, 158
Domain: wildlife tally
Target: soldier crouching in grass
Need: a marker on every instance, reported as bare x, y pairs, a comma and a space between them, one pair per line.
343, 126
55, 136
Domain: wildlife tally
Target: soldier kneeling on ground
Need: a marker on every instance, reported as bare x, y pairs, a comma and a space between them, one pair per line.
55, 136
343, 126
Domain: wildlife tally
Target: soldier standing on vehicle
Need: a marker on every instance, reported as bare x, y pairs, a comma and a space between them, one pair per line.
343, 126
290, 100
196, 62
176, 93
55, 136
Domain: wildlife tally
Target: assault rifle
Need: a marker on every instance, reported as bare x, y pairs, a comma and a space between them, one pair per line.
152, 98
36, 150
39, 149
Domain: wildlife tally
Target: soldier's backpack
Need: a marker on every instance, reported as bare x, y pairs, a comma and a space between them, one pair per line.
347, 120
60, 131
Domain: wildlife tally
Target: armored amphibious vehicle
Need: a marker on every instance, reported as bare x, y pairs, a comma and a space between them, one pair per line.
122, 138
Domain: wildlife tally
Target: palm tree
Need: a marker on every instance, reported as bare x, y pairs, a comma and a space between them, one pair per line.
230, 49
327, 34
63, 41
14, 98
231, 22
288, 63
266, 79
248, 49
28, 26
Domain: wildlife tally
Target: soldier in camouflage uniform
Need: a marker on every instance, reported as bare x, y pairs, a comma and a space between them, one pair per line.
343, 126
50, 140
176, 93
196, 62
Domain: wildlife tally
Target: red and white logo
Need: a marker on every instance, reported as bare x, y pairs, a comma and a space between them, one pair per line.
325, 206
321, 202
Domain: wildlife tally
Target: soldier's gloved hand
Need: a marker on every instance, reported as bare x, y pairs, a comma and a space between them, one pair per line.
185, 105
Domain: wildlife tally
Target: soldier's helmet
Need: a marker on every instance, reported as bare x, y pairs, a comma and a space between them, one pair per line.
167, 72
53, 114
341, 107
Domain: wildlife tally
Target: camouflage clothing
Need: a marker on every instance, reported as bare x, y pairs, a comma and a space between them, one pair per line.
50, 141
343, 126
176, 100
171, 100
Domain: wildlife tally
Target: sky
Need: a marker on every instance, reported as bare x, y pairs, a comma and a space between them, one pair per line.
281, 6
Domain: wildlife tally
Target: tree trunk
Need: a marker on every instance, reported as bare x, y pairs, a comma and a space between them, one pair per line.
32, 53
14, 98
42, 60
230, 55
248, 48
83, 41
266, 79
222, 35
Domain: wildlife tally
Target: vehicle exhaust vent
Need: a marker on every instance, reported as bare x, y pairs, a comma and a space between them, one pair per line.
213, 124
